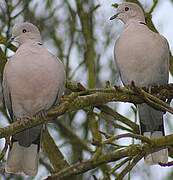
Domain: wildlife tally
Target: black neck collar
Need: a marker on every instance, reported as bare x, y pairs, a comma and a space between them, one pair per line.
143, 23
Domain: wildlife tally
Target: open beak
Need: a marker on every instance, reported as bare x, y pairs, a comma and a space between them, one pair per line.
114, 16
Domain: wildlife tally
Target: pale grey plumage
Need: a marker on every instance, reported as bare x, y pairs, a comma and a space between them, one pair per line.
33, 81
142, 56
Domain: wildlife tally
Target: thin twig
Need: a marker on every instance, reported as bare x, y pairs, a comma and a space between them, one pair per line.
152, 100
127, 135
130, 166
117, 166
4, 150
155, 2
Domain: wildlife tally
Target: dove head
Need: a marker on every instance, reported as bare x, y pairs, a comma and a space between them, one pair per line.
129, 11
24, 32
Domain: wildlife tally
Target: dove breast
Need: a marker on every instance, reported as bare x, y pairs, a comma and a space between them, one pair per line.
142, 56
34, 74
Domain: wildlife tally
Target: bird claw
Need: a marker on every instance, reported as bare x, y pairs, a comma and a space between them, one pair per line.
24, 117
149, 89
41, 114
108, 84
64, 98
81, 87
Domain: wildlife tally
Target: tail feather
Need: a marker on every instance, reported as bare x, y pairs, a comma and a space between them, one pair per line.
24, 154
14, 158
159, 156
152, 126
22, 159
30, 160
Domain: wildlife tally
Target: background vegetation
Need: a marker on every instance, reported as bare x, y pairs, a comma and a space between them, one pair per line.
87, 132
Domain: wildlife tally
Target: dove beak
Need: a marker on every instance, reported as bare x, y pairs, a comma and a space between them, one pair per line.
114, 16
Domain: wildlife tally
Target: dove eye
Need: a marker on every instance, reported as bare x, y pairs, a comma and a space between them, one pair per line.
24, 30
126, 8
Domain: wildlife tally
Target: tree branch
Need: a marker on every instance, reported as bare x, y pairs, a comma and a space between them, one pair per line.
87, 98
54, 154
130, 151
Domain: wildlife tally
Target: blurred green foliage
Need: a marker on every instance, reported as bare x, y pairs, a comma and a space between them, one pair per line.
75, 32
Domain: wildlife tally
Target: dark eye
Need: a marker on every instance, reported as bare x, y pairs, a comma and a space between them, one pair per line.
126, 8
24, 30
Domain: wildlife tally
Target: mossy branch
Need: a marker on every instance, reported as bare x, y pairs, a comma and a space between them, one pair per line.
54, 154
131, 152
91, 97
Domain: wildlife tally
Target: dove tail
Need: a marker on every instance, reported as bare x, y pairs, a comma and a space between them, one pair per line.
152, 126
22, 159
23, 156
159, 156
14, 159
30, 161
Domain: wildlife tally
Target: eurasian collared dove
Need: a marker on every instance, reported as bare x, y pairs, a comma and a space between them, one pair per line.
142, 56
33, 81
